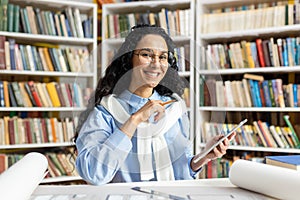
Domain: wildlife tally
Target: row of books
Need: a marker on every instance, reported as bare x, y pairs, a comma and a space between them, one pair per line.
251, 17
37, 94
260, 133
253, 54
68, 23
249, 93
175, 22
220, 167
59, 164
182, 54
43, 57
17, 130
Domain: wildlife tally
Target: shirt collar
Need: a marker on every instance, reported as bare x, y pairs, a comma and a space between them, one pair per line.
135, 100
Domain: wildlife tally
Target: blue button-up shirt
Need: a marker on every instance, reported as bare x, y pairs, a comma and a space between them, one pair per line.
106, 154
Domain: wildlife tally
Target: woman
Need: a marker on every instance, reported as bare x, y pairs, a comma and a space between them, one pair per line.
127, 134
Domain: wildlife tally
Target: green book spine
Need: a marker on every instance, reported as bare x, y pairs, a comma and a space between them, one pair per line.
10, 17
23, 23
16, 23
48, 23
272, 97
4, 4
295, 137
24, 53
26, 21
201, 89
39, 21
1, 14
17, 93
56, 162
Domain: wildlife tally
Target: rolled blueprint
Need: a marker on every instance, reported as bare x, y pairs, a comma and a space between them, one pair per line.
278, 182
20, 180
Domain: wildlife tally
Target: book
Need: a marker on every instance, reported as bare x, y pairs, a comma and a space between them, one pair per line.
48, 59
12, 98
266, 134
42, 94
53, 94
254, 77
35, 94
2, 52
2, 102
17, 93
12, 53
287, 161
7, 55
294, 135
27, 88
10, 17
6, 94
39, 21
260, 134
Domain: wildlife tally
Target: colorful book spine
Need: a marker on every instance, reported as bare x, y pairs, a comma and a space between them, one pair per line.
294, 135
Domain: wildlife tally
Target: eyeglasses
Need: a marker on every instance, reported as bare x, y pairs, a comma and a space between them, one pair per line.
148, 56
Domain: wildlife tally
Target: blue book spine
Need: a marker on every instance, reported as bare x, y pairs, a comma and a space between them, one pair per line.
293, 51
2, 104
285, 53
252, 92
55, 54
167, 20
254, 54
257, 94
23, 57
34, 59
244, 136
295, 91
275, 91
267, 93
12, 53
76, 95
68, 28
56, 68
298, 54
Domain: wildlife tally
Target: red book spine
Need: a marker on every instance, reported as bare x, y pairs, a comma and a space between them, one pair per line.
260, 52
11, 131
28, 134
44, 130
35, 94
69, 94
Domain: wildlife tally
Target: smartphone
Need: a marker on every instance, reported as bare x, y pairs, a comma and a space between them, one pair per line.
204, 153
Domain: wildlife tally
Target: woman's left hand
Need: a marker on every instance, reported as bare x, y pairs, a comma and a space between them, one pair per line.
217, 152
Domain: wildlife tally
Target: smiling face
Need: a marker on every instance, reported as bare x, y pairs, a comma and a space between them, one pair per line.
148, 73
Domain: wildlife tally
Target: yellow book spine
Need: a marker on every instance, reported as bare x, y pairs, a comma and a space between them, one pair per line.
53, 94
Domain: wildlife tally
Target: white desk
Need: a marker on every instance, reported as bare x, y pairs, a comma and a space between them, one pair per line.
213, 189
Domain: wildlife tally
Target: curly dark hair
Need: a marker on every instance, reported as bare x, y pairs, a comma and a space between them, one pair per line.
122, 64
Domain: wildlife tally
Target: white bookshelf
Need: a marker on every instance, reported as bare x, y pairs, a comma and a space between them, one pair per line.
84, 79
205, 113
109, 44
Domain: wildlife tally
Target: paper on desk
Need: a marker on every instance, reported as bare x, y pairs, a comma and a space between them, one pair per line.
278, 182
20, 180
